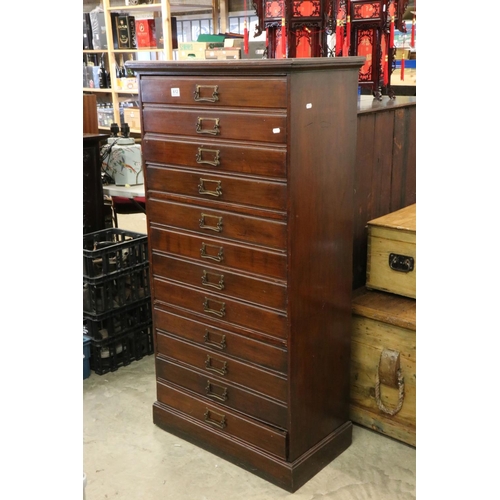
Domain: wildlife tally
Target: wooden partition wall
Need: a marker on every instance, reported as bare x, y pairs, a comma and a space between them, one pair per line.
385, 172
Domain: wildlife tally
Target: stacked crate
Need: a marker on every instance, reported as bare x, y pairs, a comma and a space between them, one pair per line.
116, 298
383, 344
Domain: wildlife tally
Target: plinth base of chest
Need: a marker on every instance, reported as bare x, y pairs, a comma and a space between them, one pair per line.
287, 475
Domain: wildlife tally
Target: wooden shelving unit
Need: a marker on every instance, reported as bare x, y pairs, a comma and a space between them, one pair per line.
114, 56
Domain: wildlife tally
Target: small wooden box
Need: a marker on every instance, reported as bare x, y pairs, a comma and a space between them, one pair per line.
391, 253
383, 338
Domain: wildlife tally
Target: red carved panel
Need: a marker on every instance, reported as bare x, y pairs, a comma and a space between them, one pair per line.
275, 8
365, 42
303, 40
369, 10
306, 8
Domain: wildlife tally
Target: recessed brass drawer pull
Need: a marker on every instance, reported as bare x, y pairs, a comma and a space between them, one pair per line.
214, 131
221, 423
220, 371
206, 282
217, 228
215, 162
219, 345
213, 98
218, 188
211, 394
205, 255
221, 312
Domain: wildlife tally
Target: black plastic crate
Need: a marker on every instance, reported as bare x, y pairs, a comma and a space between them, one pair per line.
144, 341
110, 293
109, 354
118, 321
111, 251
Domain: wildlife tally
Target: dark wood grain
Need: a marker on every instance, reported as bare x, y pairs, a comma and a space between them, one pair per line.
288, 260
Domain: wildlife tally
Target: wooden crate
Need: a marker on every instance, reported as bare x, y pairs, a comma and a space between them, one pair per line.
391, 253
383, 331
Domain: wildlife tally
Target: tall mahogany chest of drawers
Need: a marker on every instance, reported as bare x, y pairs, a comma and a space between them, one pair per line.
249, 186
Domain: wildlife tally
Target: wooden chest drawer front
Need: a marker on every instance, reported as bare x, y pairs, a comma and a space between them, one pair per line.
218, 365
215, 92
216, 187
268, 294
257, 127
222, 392
218, 340
215, 416
205, 249
225, 225
228, 310
215, 156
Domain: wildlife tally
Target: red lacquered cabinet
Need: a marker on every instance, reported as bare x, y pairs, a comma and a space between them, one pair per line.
249, 194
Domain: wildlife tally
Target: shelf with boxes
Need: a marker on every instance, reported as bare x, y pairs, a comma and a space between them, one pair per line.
117, 31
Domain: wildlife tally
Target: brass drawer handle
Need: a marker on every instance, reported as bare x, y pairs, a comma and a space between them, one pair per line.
214, 131
213, 98
204, 255
221, 423
217, 228
206, 282
215, 162
221, 312
220, 371
203, 190
219, 345
211, 394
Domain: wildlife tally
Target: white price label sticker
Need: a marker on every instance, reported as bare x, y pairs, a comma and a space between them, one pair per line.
175, 92
276, 130
309, 105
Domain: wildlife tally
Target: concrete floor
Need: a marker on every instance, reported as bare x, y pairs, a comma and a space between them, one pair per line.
126, 456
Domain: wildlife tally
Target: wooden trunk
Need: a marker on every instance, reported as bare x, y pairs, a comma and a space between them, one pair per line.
249, 185
391, 264
383, 335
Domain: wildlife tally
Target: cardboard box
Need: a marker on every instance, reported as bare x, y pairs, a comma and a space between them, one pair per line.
212, 41
145, 33
192, 50
223, 53
256, 50
132, 116
402, 52
129, 83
